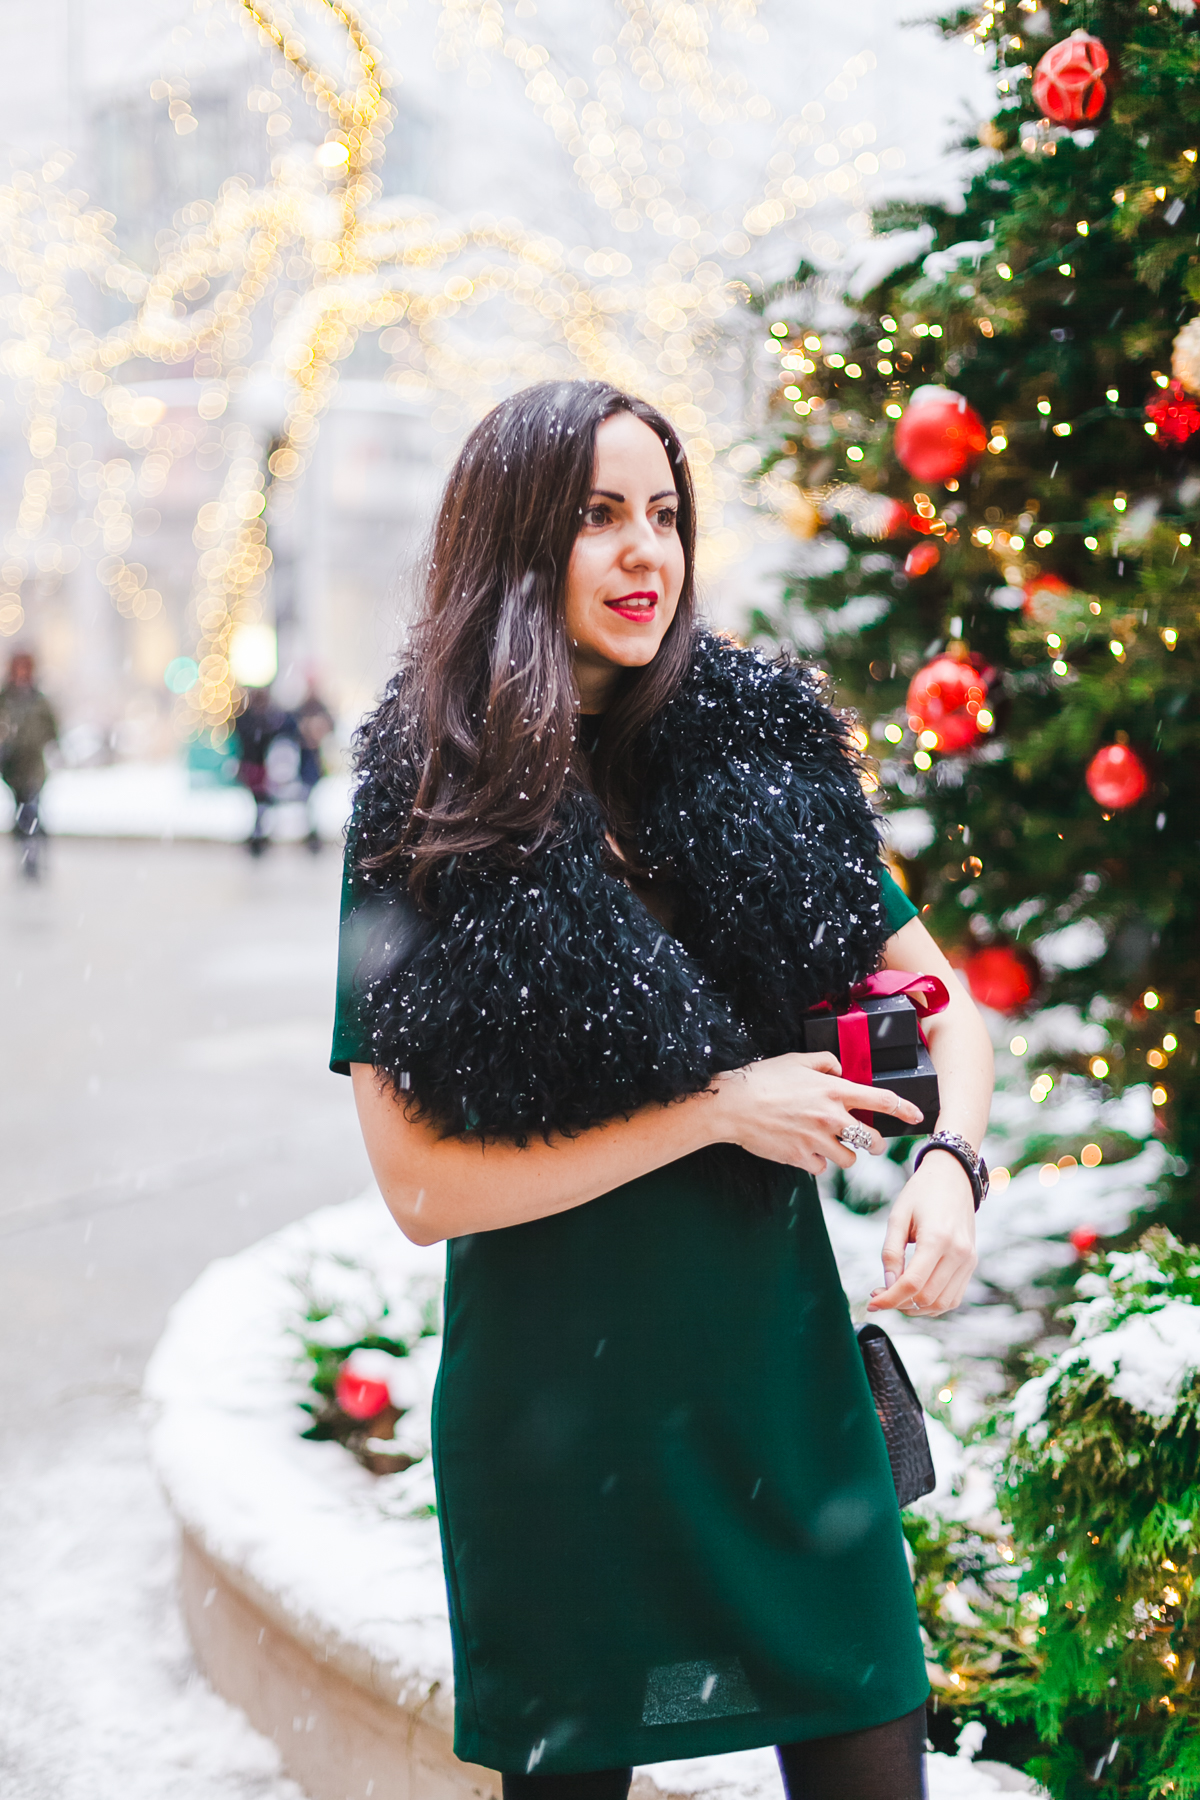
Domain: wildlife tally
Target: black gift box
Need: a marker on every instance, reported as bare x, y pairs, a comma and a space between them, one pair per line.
891, 1024
899, 1060
920, 1085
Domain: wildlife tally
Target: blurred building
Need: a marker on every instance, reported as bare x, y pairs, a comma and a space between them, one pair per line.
148, 106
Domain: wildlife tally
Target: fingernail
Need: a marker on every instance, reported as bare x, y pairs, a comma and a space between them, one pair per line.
888, 1281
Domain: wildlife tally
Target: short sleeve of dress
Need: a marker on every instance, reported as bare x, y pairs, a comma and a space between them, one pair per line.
898, 909
351, 1039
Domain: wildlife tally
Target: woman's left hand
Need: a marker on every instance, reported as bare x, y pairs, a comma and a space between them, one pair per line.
935, 1212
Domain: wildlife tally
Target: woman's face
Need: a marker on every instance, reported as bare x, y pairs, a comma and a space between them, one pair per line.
627, 564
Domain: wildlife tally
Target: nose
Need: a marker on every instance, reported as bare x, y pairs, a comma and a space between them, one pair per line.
642, 548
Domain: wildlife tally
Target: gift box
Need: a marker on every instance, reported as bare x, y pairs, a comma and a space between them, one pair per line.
918, 1084
877, 1038
891, 1027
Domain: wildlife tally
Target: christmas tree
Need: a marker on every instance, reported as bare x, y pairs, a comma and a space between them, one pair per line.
989, 465
996, 447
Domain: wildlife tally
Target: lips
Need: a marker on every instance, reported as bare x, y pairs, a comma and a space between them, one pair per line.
639, 609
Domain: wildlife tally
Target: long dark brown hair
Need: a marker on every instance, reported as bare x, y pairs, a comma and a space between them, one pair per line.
486, 703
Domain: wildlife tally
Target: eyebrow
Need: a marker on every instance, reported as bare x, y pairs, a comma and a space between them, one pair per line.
664, 494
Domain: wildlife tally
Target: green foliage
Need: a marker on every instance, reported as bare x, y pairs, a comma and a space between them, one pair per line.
976, 1628
1051, 301
1104, 1503
1079, 1616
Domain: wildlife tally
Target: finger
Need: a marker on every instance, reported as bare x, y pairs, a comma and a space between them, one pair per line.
840, 1153
898, 1236
908, 1286
873, 1099
950, 1298
931, 1298
823, 1062
837, 1127
956, 1291
946, 1283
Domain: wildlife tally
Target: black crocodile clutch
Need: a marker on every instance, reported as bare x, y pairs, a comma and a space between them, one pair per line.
900, 1413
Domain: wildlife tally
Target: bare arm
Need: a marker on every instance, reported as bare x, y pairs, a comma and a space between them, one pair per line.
936, 1210
789, 1109
958, 1042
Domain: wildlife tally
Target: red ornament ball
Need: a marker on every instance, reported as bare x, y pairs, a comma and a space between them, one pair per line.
947, 696
921, 558
358, 1397
1067, 83
1117, 777
891, 517
871, 515
1040, 596
1000, 977
939, 435
1174, 414
1084, 1238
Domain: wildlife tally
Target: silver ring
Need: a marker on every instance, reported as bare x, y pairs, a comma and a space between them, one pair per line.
855, 1136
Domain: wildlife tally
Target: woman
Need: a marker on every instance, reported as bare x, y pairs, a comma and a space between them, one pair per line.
600, 864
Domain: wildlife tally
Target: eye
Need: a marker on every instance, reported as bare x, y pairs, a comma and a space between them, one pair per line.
596, 515
667, 518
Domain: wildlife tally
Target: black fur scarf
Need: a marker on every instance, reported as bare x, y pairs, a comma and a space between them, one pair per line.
548, 998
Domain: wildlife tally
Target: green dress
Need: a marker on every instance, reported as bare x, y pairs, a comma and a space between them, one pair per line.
668, 1520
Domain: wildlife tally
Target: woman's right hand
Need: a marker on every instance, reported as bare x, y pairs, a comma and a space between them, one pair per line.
793, 1109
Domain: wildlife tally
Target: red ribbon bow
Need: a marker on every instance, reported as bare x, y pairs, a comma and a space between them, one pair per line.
927, 992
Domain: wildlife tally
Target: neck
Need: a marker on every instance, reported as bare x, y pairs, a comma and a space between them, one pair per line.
596, 683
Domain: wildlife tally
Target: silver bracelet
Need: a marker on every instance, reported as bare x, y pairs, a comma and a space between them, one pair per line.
963, 1153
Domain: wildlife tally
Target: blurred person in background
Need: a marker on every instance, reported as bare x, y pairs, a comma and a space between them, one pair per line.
27, 726
261, 722
312, 722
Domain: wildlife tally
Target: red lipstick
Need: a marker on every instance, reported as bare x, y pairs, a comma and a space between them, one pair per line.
639, 608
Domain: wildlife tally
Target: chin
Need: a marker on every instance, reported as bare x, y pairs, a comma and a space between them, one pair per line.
635, 655
634, 646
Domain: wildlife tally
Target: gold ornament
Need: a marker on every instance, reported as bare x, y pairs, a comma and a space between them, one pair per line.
1185, 356
796, 507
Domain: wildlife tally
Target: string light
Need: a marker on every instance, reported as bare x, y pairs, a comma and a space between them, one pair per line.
399, 271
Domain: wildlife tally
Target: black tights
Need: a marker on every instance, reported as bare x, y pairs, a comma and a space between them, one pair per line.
885, 1762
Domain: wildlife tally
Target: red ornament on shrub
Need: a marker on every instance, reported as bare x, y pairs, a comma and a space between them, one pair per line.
1068, 84
1117, 777
358, 1397
1084, 1238
921, 558
1174, 414
947, 696
939, 435
1000, 977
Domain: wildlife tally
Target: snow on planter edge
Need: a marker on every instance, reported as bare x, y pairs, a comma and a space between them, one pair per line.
303, 1520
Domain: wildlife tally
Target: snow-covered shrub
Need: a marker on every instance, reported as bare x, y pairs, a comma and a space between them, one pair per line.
1072, 1606
1102, 1488
373, 1349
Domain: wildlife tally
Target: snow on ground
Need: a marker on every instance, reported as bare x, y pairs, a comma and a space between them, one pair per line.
99, 1695
754, 1775
157, 800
